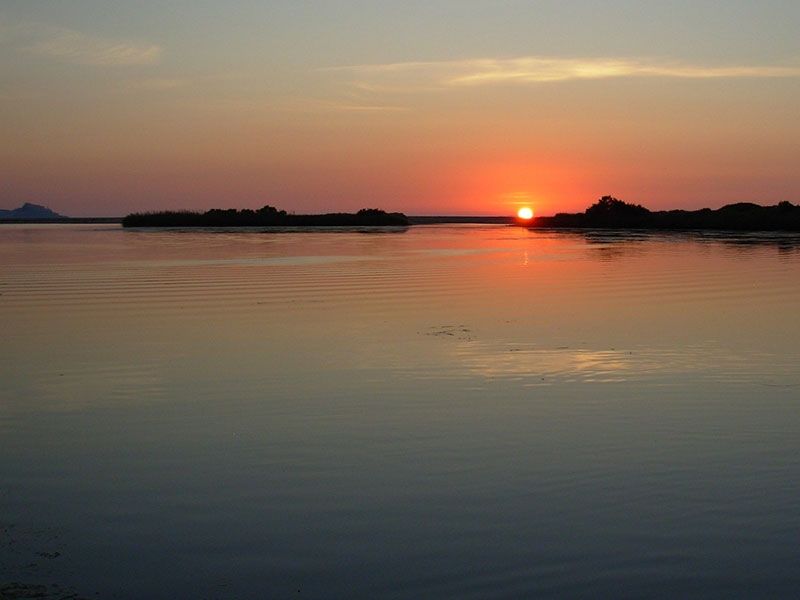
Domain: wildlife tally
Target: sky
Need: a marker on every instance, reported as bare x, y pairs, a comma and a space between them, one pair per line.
424, 107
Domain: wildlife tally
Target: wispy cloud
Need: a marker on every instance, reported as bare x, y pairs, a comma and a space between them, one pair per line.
541, 69
342, 105
158, 84
348, 107
68, 45
75, 47
364, 108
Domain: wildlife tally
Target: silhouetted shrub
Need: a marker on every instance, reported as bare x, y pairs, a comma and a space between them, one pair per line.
609, 207
267, 216
609, 212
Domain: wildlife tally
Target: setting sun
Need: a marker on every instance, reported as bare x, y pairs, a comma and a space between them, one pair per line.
525, 213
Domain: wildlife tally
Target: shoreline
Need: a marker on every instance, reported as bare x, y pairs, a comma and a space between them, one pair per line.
413, 220
61, 221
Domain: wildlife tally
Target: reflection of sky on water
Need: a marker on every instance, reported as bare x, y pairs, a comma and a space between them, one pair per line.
537, 366
427, 411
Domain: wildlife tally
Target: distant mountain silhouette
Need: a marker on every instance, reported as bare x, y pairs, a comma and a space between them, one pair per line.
268, 216
30, 211
611, 213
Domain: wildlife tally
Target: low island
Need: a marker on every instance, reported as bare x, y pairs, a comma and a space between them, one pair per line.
611, 213
268, 216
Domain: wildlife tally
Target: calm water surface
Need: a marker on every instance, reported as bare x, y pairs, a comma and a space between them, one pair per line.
445, 412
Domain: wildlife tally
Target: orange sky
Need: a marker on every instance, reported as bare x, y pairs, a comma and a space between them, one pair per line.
441, 108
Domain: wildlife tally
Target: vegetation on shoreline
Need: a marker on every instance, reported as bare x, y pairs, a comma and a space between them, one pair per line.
268, 216
607, 213
611, 213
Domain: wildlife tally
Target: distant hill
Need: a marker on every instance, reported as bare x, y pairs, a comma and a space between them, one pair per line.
30, 211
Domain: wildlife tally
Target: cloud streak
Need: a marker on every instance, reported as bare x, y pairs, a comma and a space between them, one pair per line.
539, 70
75, 47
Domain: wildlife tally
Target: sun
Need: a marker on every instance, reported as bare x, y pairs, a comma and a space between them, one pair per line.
525, 213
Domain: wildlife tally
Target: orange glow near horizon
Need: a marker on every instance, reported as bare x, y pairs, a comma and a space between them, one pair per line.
106, 118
